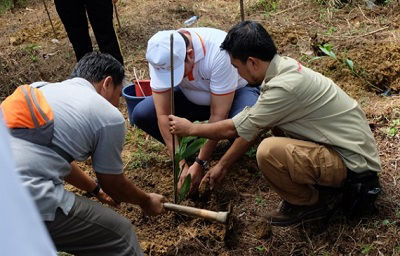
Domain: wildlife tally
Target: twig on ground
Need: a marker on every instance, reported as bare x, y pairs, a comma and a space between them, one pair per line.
286, 10
364, 14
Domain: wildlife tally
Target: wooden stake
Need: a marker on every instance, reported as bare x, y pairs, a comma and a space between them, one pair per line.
48, 15
173, 113
117, 16
241, 10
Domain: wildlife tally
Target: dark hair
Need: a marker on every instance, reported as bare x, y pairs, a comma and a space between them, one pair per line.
186, 42
249, 39
96, 66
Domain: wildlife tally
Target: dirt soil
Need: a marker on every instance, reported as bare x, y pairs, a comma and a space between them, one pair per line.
370, 37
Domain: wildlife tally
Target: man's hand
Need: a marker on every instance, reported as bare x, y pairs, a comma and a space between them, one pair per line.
179, 126
154, 205
183, 174
104, 198
216, 174
196, 173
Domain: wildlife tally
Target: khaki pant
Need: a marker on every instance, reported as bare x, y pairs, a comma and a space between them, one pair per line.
93, 229
292, 167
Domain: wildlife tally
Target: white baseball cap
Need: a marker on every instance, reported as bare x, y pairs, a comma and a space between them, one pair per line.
158, 55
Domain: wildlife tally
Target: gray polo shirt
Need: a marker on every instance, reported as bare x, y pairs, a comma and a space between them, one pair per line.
309, 106
85, 124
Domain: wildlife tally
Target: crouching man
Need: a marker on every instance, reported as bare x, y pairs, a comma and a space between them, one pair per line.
326, 137
86, 123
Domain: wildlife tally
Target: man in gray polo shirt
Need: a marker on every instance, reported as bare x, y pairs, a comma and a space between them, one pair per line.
326, 136
87, 123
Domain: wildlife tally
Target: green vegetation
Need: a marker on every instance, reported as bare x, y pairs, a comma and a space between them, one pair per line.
259, 200
188, 146
32, 50
366, 249
261, 248
146, 151
393, 127
267, 6
252, 152
8, 4
356, 70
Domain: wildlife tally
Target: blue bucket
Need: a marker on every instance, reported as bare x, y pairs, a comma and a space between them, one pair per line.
129, 94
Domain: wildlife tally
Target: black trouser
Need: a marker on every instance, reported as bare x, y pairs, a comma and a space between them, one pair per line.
100, 13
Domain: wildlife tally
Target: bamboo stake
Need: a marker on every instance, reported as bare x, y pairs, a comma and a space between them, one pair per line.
48, 15
116, 15
172, 113
241, 10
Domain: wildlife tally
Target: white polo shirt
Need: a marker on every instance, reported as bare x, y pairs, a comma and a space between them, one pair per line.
212, 72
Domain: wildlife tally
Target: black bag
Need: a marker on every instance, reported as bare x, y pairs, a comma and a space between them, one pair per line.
359, 193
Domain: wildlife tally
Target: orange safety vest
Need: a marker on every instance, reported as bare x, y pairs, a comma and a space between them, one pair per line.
29, 116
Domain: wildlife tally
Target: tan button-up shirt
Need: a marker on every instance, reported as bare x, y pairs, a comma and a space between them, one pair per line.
309, 106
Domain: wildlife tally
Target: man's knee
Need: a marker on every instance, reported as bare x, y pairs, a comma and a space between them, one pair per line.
139, 115
128, 241
269, 147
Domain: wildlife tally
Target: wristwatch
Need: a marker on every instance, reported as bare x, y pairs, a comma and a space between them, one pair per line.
203, 164
95, 191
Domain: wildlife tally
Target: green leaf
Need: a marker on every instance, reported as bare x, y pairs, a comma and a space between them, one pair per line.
350, 64
177, 159
327, 49
194, 147
185, 187
367, 248
260, 248
386, 222
314, 58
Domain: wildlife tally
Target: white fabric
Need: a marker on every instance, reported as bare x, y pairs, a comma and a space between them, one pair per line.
21, 230
212, 72
158, 55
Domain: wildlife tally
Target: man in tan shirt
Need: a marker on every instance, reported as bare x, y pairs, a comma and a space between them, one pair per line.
326, 134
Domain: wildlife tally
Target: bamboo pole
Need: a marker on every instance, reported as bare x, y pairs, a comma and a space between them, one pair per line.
48, 15
116, 15
241, 10
172, 113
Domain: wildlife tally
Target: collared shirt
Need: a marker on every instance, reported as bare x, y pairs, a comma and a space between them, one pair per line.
309, 106
85, 124
212, 72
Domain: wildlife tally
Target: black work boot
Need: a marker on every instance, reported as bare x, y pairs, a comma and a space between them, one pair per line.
288, 214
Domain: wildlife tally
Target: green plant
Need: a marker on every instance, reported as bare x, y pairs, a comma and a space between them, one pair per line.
32, 50
188, 146
367, 248
327, 49
145, 151
261, 248
356, 71
268, 6
331, 30
398, 213
393, 127
259, 200
252, 152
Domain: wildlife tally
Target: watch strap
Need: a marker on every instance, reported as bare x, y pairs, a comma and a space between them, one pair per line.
202, 163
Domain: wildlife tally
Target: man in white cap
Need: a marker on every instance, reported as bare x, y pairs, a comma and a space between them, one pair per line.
208, 87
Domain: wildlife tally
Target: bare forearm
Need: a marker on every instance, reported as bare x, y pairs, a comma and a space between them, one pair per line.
80, 179
121, 189
224, 129
208, 148
238, 148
